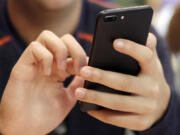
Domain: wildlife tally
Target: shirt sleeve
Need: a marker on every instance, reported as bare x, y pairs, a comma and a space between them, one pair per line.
170, 122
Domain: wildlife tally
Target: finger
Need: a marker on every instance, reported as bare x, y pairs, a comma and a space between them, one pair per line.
125, 120
70, 65
56, 46
76, 52
76, 83
152, 42
141, 53
117, 102
118, 81
36, 53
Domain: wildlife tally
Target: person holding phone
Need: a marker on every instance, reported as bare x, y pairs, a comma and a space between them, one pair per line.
35, 65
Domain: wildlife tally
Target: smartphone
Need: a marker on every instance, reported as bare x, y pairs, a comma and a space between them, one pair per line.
128, 23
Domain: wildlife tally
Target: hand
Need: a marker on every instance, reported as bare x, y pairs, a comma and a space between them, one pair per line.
150, 93
35, 100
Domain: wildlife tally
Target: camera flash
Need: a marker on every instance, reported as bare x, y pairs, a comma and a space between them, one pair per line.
122, 17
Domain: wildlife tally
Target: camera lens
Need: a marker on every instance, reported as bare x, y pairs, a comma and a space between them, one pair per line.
111, 18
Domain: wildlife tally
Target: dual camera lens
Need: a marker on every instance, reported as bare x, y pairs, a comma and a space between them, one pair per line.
112, 18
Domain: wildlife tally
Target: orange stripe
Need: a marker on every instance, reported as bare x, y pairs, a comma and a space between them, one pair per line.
5, 40
104, 3
85, 36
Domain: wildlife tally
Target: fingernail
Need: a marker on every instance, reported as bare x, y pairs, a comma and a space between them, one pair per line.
86, 73
119, 44
62, 65
80, 93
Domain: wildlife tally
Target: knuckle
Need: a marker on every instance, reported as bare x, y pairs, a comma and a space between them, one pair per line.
142, 125
82, 61
33, 44
155, 90
81, 56
48, 56
82, 53
66, 36
63, 48
151, 108
45, 33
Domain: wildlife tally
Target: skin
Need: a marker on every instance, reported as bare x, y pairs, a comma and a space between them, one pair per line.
35, 91
150, 91
38, 95
35, 16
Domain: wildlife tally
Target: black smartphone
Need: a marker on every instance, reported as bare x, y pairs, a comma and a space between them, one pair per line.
128, 23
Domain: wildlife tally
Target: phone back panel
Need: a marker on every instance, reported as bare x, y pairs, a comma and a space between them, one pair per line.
131, 24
